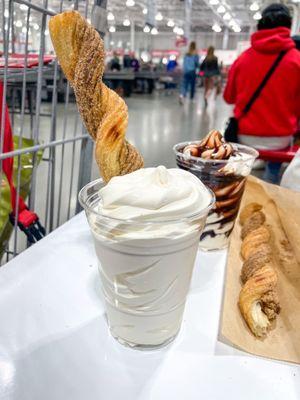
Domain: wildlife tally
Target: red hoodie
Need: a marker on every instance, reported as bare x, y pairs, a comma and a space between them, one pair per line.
277, 109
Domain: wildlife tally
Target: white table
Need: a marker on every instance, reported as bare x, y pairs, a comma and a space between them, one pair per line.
55, 344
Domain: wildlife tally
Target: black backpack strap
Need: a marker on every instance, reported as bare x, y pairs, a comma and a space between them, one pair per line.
264, 81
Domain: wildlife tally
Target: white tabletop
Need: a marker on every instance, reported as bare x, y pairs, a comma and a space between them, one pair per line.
55, 344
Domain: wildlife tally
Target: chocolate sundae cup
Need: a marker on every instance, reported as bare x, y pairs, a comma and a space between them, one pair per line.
223, 167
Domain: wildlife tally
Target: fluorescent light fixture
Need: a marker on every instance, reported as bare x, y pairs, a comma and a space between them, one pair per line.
171, 23
154, 31
159, 17
213, 2
23, 7
180, 31
145, 11
126, 22
112, 29
24, 30
130, 3
110, 16
221, 9
36, 27
146, 29
6, 13
227, 16
216, 28
257, 16
19, 24
254, 6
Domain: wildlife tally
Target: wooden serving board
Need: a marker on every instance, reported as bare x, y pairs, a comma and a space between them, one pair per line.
282, 209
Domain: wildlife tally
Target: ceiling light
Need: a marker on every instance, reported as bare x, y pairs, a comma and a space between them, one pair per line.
145, 11
36, 27
23, 7
213, 2
126, 22
110, 16
175, 29
231, 22
130, 3
227, 16
257, 15
221, 9
46, 32
112, 29
19, 24
154, 31
112, 43
216, 28
24, 30
254, 6
170, 23
6, 13
159, 17
146, 29
180, 31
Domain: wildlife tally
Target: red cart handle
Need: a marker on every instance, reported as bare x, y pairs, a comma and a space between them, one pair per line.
28, 221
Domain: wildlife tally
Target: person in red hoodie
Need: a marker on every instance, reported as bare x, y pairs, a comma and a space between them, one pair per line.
272, 120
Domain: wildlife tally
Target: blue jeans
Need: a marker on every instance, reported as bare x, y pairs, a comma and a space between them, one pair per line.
189, 81
272, 171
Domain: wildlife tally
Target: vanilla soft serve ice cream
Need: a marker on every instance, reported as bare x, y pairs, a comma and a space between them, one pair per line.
146, 227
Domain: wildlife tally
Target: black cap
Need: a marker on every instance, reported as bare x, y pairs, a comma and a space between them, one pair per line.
274, 16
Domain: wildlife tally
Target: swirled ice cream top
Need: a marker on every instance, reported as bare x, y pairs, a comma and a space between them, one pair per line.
154, 194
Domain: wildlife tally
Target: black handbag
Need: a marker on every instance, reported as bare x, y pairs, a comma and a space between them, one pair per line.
232, 126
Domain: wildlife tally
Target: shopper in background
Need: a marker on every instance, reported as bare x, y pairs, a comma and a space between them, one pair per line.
190, 65
272, 120
172, 64
115, 63
211, 73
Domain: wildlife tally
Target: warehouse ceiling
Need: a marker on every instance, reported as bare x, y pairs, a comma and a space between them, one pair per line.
167, 16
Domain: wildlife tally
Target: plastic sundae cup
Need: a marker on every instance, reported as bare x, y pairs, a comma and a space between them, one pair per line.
226, 178
145, 266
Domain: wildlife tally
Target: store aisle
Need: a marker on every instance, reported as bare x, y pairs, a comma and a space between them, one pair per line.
157, 122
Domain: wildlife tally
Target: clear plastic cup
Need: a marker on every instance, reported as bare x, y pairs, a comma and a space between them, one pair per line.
145, 270
226, 178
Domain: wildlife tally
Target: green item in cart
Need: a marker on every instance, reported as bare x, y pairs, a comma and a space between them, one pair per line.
26, 160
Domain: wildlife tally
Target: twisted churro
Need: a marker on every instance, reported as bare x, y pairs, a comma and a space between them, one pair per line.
258, 300
80, 52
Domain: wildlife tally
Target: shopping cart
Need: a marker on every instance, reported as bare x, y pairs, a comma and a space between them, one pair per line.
285, 155
51, 153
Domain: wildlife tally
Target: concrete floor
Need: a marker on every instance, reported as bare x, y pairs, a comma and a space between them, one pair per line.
156, 123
